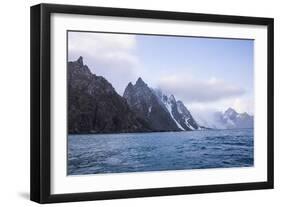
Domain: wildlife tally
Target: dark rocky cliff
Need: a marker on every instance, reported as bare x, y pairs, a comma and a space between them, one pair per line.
95, 107
144, 102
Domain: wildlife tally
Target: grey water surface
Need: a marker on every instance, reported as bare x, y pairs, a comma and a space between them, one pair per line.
141, 152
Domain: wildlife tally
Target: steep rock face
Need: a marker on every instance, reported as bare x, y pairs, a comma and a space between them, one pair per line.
178, 112
95, 107
185, 117
144, 102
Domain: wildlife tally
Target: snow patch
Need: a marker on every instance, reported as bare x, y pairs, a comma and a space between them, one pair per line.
169, 107
179, 109
188, 125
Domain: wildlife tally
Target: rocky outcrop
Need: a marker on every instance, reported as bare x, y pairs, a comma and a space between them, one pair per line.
145, 103
178, 112
95, 107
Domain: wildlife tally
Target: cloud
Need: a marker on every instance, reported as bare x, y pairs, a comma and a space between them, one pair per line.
192, 90
244, 105
114, 56
108, 55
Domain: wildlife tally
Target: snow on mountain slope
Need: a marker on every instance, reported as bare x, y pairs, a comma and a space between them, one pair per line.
168, 106
144, 103
178, 112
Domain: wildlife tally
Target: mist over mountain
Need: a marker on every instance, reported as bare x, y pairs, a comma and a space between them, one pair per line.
161, 112
232, 119
229, 119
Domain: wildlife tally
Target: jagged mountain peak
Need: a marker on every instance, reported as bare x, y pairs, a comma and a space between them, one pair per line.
230, 110
129, 89
230, 113
95, 106
130, 85
140, 109
172, 98
144, 101
245, 114
77, 68
140, 82
80, 61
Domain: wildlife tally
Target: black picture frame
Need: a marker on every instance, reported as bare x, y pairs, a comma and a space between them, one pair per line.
40, 184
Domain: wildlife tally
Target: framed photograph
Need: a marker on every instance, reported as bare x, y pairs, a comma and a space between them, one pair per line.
133, 103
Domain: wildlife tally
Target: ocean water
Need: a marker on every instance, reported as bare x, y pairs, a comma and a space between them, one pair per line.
141, 152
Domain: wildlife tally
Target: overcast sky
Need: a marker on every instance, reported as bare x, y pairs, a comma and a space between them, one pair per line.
205, 73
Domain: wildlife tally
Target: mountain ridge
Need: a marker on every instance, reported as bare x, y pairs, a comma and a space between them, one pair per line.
178, 112
228, 119
143, 101
94, 106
